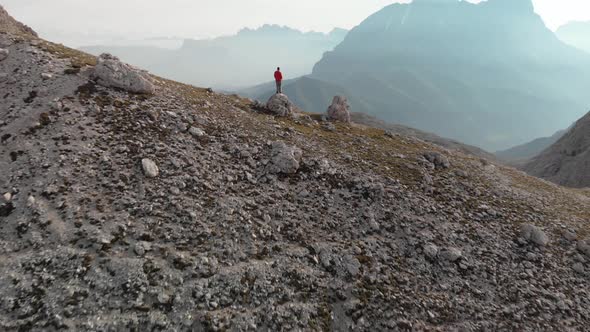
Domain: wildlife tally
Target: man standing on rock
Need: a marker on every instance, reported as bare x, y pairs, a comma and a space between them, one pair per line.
279, 80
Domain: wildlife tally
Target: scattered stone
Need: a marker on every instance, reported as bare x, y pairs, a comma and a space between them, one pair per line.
142, 247
584, 247
328, 126
111, 72
150, 169
533, 234
436, 158
196, 132
7, 197
280, 105
284, 159
351, 265
3, 54
570, 236
46, 76
431, 251
339, 110
450, 254
6, 209
579, 268
175, 191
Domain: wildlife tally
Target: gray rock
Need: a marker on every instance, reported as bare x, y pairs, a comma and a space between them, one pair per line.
450, 254
3, 54
284, 159
436, 158
570, 236
141, 248
351, 265
280, 105
339, 110
533, 234
431, 251
46, 76
196, 132
579, 268
111, 72
328, 126
150, 169
584, 247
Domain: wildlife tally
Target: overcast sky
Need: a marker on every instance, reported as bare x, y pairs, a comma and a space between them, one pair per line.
77, 22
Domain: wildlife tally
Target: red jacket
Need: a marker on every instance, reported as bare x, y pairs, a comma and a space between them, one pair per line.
278, 76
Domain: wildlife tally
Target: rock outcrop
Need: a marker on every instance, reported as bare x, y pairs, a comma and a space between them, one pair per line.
280, 105
566, 162
9, 25
112, 72
339, 110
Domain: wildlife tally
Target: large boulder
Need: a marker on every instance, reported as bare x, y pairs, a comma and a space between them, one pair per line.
339, 110
280, 105
111, 72
285, 159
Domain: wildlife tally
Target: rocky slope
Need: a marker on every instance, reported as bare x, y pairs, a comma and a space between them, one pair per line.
567, 162
189, 210
9, 25
396, 129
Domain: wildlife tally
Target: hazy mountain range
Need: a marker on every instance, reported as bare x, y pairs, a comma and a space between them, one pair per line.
576, 34
245, 59
522, 153
489, 74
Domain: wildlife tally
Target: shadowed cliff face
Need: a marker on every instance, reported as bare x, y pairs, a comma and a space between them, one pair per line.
489, 74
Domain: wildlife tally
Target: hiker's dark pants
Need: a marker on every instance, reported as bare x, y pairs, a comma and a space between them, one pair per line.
279, 87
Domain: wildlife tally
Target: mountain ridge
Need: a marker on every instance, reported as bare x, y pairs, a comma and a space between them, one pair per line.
230, 62
441, 85
576, 34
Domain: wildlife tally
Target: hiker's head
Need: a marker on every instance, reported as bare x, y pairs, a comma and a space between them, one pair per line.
278, 68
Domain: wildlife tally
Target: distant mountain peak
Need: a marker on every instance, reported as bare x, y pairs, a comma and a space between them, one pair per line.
512, 5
